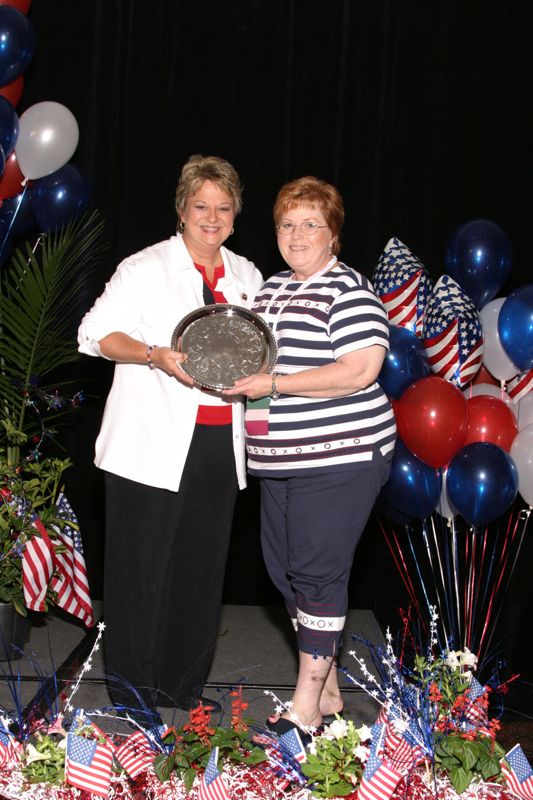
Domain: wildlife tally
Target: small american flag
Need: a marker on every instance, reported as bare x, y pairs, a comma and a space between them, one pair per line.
88, 764
71, 583
518, 772
37, 567
453, 334
8, 747
476, 708
518, 387
137, 753
379, 779
403, 284
291, 742
212, 786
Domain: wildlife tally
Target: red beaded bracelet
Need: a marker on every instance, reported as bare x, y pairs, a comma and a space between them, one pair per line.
150, 363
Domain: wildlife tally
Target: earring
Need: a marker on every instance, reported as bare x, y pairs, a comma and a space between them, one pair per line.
181, 226
232, 231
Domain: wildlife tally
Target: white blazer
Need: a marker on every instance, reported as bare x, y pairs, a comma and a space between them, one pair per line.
149, 416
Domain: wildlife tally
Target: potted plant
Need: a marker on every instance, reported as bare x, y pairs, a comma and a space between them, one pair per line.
40, 294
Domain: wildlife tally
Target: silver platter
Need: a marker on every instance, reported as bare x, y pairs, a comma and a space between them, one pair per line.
224, 343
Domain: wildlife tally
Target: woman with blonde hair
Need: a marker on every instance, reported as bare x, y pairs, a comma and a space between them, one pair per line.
173, 454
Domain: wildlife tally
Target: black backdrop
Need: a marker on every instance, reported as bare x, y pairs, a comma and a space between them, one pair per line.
420, 112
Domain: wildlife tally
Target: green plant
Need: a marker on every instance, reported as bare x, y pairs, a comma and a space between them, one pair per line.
44, 761
468, 759
335, 762
27, 490
192, 745
40, 294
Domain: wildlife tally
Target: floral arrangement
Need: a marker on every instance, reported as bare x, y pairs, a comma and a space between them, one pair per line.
432, 738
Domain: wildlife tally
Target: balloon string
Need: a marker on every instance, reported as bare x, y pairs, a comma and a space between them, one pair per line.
400, 564
440, 589
472, 532
12, 222
420, 577
481, 539
445, 582
455, 559
523, 516
485, 607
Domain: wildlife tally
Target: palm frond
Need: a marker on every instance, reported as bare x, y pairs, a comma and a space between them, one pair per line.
40, 296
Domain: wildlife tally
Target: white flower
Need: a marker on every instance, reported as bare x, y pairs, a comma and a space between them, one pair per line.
364, 733
466, 658
361, 752
312, 747
452, 659
338, 729
32, 754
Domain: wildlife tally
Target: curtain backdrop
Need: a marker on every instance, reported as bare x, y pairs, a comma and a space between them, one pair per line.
420, 112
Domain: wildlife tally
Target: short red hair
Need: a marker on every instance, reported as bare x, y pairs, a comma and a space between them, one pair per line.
316, 193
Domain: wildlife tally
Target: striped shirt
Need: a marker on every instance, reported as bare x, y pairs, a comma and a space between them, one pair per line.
317, 323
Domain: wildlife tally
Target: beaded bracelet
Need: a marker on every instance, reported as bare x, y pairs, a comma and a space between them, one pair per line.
149, 361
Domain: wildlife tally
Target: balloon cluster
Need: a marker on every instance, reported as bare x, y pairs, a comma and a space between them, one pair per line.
37, 185
466, 443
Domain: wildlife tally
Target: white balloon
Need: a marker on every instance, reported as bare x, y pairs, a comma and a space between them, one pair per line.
48, 136
495, 358
525, 411
522, 455
445, 506
493, 391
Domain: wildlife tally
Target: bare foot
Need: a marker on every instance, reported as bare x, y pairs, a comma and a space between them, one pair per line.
330, 703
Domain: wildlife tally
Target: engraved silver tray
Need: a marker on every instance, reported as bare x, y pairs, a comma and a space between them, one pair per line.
224, 343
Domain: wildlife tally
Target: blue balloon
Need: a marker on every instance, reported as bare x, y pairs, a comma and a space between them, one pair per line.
17, 44
479, 258
59, 197
482, 482
515, 327
404, 363
16, 214
413, 487
9, 126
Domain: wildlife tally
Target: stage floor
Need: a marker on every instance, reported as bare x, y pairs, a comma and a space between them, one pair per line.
255, 648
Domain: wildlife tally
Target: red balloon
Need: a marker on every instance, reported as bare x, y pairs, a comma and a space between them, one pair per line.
13, 91
432, 419
484, 376
22, 5
12, 178
490, 420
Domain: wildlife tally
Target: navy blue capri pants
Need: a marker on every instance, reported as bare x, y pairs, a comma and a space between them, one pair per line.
310, 528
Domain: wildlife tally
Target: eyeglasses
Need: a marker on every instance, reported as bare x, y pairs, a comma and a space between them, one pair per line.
306, 228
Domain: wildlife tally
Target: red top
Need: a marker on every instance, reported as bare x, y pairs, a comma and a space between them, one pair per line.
214, 415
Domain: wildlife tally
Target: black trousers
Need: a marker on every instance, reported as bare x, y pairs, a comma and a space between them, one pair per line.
165, 560
310, 528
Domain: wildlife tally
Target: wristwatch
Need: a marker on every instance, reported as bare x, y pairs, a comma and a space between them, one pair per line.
274, 394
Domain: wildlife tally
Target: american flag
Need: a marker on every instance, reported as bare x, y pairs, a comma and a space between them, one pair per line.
137, 753
8, 747
453, 333
71, 583
88, 764
212, 786
291, 742
40, 560
476, 708
518, 773
379, 779
518, 387
403, 284
37, 567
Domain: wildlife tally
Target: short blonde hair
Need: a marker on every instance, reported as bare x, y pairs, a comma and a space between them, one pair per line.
314, 192
199, 169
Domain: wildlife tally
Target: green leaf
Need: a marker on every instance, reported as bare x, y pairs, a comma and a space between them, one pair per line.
163, 766
460, 779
